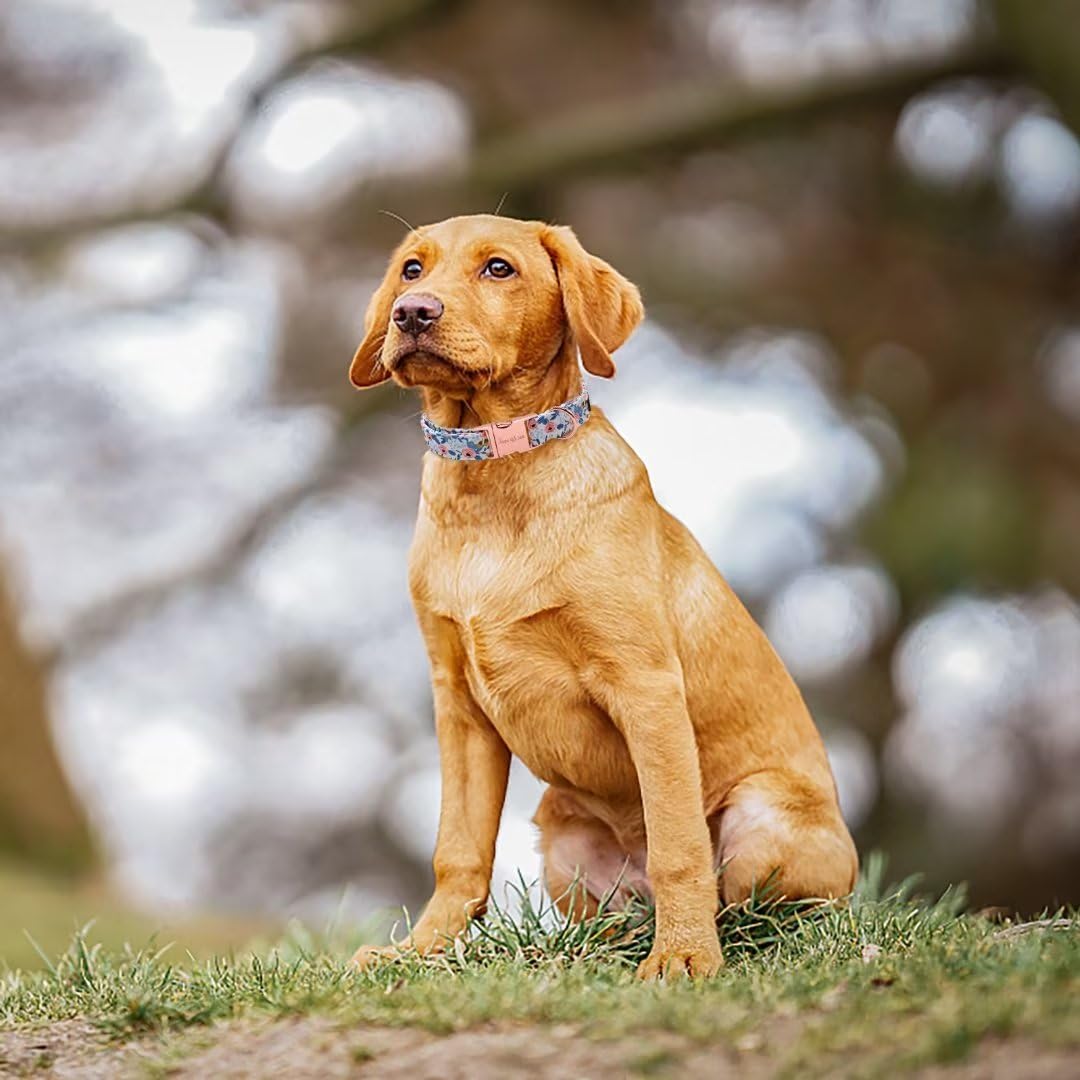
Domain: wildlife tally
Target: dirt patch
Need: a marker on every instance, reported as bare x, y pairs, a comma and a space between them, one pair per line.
69, 1048
1017, 1059
523, 1053
314, 1048
311, 1048
304, 1048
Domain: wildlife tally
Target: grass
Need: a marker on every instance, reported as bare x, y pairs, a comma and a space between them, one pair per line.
887, 979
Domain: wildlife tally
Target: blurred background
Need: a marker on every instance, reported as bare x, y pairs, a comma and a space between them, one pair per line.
855, 224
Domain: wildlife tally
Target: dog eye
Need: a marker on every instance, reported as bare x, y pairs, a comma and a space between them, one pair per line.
498, 268
412, 269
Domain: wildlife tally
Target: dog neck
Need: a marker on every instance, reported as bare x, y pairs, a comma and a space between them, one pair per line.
521, 393
518, 491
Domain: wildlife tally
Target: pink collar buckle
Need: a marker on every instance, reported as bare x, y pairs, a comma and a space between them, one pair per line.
509, 436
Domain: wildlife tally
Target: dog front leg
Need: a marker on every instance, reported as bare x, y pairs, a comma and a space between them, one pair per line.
474, 765
649, 708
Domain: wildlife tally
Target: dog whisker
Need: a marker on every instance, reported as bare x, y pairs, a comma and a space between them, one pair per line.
398, 217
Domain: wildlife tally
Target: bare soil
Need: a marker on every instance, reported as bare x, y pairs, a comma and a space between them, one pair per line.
313, 1048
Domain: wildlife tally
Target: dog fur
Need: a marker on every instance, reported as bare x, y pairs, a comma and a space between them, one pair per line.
572, 621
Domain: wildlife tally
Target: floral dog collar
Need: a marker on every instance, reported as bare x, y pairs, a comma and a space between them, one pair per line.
515, 436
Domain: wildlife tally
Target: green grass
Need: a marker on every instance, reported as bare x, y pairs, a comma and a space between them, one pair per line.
886, 978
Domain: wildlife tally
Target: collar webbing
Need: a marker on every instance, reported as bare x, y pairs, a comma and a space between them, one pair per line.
496, 440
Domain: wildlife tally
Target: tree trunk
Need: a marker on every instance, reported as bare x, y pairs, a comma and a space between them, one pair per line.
40, 819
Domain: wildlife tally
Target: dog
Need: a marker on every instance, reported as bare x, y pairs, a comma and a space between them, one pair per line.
572, 621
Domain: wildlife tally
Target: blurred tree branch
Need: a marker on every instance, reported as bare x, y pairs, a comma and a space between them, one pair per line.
695, 116
1044, 37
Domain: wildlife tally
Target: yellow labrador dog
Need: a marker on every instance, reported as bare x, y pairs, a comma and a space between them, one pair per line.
572, 621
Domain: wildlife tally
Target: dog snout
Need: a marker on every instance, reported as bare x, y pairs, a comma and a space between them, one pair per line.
414, 313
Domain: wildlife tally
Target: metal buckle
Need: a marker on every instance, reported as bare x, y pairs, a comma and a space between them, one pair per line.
508, 437
574, 425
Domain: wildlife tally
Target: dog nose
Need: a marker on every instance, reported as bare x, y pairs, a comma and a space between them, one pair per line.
415, 312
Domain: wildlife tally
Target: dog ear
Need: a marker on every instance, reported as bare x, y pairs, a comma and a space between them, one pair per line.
602, 307
367, 367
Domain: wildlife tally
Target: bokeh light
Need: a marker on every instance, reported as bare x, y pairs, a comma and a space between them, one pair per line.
205, 533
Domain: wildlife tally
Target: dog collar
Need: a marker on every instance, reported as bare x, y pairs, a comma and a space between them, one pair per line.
497, 440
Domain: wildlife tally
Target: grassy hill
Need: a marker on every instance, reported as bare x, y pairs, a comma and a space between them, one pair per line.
884, 984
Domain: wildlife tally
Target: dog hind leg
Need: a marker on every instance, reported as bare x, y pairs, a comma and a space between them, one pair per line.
780, 824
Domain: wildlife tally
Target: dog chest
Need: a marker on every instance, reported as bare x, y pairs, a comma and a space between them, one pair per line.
519, 655
487, 576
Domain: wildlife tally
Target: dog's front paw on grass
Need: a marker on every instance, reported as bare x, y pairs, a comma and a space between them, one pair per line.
370, 956
678, 961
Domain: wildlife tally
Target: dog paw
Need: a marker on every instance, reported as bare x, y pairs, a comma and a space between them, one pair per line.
370, 956
680, 961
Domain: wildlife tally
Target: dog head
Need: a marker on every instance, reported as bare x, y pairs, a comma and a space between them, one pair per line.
471, 301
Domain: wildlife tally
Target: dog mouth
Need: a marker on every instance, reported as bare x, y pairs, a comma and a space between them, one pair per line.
419, 365
420, 354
